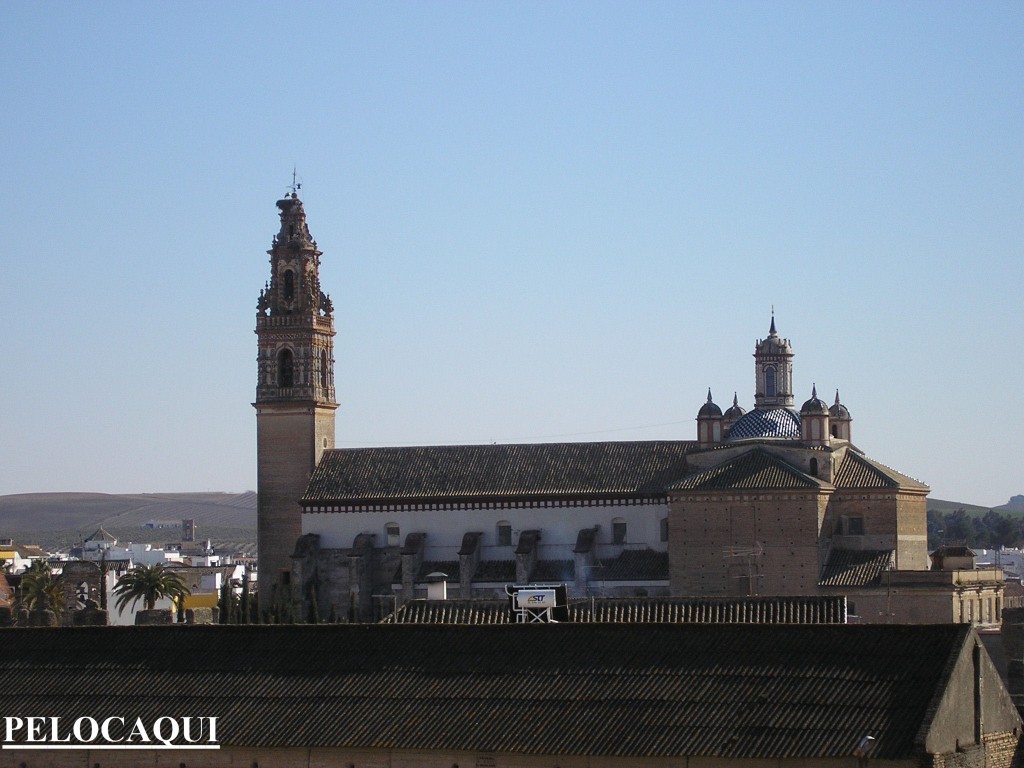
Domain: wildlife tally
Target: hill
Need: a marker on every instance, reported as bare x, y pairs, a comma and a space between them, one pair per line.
57, 521
1012, 508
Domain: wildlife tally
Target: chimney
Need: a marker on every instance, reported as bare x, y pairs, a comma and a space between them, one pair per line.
437, 586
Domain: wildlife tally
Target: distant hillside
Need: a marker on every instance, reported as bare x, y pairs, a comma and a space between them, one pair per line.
945, 507
60, 520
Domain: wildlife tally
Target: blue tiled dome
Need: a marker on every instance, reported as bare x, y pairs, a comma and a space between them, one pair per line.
767, 422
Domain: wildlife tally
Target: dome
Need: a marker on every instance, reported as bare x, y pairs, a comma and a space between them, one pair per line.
838, 410
709, 409
814, 406
734, 412
767, 422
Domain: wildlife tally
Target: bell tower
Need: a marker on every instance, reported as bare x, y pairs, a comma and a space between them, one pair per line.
295, 402
773, 366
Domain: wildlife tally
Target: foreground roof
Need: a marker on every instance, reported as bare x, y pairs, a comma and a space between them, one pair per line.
600, 689
496, 472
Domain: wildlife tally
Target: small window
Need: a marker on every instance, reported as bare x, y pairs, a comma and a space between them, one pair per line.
855, 526
814, 467
285, 369
393, 533
289, 285
618, 531
504, 534
835, 430
664, 529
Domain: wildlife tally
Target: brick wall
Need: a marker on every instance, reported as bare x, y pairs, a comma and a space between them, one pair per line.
732, 544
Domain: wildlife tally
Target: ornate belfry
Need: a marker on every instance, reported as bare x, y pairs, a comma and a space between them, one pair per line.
295, 400
773, 366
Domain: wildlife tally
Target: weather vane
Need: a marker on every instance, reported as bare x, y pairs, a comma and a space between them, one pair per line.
295, 185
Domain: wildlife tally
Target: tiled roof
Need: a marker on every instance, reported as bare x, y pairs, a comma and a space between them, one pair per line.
495, 570
554, 570
449, 568
632, 565
855, 567
616, 690
950, 550
454, 611
100, 535
755, 470
639, 610
713, 610
495, 472
858, 471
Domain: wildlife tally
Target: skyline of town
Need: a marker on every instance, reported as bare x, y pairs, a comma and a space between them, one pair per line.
558, 223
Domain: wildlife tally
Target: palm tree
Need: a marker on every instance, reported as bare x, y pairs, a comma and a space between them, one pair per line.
149, 583
41, 589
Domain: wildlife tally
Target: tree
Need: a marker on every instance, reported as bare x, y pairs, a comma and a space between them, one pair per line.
227, 603
149, 583
41, 589
245, 609
958, 527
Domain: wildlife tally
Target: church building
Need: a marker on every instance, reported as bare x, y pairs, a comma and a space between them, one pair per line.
773, 501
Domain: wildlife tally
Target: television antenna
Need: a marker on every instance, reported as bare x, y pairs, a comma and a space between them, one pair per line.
753, 573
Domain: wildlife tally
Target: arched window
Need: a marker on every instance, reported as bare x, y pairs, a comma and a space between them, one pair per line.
814, 467
323, 368
770, 388
504, 530
285, 369
289, 285
393, 533
618, 530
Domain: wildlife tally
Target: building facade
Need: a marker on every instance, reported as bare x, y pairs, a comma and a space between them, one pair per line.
770, 501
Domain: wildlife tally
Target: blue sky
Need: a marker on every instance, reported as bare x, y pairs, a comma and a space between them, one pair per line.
540, 221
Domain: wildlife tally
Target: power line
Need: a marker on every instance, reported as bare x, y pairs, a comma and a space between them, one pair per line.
358, 443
